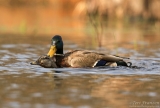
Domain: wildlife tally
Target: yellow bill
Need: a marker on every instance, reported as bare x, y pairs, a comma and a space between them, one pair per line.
52, 51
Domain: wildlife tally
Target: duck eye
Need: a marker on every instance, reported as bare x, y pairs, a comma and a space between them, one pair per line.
53, 42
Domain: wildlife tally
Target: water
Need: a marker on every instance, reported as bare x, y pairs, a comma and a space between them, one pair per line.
29, 86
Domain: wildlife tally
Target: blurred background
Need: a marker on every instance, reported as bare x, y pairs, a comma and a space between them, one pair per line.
127, 28
104, 22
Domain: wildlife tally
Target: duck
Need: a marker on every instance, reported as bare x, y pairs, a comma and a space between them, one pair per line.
79, 58
45, 61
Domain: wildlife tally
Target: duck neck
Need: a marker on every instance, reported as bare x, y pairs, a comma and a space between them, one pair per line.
59, 51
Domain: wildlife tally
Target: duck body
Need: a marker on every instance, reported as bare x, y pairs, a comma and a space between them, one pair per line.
81, 58
84, 58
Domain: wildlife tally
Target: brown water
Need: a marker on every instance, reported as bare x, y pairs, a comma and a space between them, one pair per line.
26, 86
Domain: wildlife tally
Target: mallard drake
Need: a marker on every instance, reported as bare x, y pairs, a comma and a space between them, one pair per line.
81, 58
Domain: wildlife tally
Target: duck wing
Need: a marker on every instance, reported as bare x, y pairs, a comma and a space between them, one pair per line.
84, 58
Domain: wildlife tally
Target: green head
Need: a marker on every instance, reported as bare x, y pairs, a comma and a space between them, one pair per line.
56, 46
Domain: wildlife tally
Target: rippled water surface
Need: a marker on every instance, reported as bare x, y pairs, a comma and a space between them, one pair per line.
26, 86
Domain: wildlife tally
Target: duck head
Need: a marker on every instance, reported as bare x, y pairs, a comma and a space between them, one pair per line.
56, 46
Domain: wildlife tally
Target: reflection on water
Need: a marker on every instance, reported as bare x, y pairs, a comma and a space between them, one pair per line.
60, 90
26, 86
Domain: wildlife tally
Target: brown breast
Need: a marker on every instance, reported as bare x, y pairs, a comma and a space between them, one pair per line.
61, 61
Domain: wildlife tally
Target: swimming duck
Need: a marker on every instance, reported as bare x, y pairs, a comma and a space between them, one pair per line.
45, 62
81, 58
